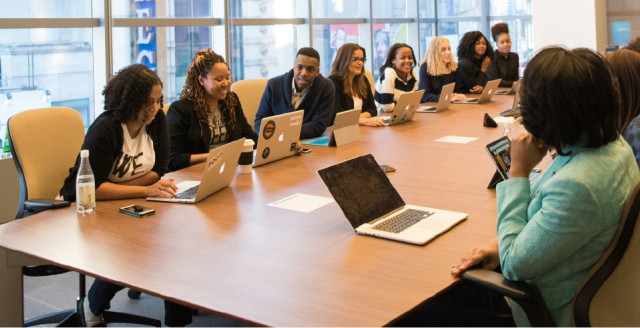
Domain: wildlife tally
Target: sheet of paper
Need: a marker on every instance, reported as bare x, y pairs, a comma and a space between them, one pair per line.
504, 119
456, 139
302, 202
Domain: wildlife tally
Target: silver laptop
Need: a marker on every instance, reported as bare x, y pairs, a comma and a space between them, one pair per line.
515, 108
406, 106
278, 137
218, 172
511, 91
443, 101
487, 93
373, 206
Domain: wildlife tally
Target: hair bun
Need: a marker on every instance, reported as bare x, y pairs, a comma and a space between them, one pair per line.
497, 29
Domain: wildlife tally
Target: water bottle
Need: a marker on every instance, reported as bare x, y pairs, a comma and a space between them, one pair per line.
85, 185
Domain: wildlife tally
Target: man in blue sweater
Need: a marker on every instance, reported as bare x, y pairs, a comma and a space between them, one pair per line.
302, 88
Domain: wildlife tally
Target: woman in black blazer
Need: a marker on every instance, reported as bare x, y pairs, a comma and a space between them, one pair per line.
505, 64
352, 88
208, 113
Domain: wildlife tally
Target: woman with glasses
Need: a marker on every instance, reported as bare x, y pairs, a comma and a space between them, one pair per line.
208, 113
352, 88
438, 69
396, 77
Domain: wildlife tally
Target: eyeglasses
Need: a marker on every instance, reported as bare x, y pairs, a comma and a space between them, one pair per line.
362, 59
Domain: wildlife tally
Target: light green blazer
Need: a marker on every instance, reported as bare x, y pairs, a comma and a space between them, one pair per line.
552, 233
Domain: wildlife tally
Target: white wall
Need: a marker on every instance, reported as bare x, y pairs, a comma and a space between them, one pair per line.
572, 23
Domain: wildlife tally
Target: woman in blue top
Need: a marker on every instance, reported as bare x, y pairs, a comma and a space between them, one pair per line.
438, 69
474, 57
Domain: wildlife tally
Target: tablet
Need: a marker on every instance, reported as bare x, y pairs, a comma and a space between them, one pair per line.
500, 152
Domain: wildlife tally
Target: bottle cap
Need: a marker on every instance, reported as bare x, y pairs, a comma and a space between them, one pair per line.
84, 153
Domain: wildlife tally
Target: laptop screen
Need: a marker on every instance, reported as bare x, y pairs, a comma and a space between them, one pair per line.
361, 189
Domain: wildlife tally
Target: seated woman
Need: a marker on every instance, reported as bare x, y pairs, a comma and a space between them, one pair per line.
396, 77
208, 113
438, 69
128, 152
352, 88
474, 58
551, 233
626, 66
505, 64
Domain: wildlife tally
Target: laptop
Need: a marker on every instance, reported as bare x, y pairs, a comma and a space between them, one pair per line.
443, 102
406, 106
345, 130
278, 137
373, 206
487, 93
511, 91
515, 108
500, 153
219, 170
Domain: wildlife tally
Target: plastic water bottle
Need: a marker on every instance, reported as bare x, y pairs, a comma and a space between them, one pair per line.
85, 185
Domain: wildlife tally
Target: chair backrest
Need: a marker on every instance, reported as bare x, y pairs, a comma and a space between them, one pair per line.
250, 92
45, 144
165, 108
609, 295
372, 82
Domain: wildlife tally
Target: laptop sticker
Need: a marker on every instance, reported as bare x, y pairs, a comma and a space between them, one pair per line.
269, 129
265, 153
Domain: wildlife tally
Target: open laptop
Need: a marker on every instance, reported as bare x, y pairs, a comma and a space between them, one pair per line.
345, 130
218, 172
406, 106
515, 108
278, 137
511, 91
500, 152
487, 93
373, 206
443, 101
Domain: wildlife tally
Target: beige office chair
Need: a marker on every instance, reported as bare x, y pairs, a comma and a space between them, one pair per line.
45, 144
250, 92
369, 76
609, 293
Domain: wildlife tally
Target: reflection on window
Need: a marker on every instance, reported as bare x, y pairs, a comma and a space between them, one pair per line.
327, 39
384, 35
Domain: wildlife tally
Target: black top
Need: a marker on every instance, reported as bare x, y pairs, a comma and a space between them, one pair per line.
471, 73
345, 102
104, 141
504, 68
432, 85
187, 138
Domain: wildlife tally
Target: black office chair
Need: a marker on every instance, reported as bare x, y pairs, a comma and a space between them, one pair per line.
609, 293
44, 144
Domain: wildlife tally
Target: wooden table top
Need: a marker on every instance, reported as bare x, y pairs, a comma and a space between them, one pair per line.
234, 255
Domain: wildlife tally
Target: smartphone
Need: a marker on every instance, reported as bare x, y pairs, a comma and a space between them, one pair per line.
137, 211
306, 150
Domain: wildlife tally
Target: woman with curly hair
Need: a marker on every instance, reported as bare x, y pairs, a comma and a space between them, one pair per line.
505, 64
208, 113
396, 77
438, 69
128, 151
352, 88
474, 58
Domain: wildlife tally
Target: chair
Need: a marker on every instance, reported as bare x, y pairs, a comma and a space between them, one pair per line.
250, 92
608, 295
45, 144
369, 76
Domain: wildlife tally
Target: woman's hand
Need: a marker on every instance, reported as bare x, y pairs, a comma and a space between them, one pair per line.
485, 63
162, 188
526, 152
486, 257
298, 148
458, 97
476, 89
371, 121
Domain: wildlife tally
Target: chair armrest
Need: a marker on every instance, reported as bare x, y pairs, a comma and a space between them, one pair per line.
44, 203
526, 295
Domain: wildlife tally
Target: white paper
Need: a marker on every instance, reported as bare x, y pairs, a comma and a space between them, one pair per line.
504, 119
456, 139
302, 202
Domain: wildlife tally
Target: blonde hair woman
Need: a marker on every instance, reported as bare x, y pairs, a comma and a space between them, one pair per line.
438, 69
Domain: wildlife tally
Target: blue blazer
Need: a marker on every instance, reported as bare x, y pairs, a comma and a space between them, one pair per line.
317, 104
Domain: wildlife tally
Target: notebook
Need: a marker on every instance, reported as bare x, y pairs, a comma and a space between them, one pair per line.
373, 206
511, 91
218, 172
487, 93
443, 101
515, 108
406, 106
278, 137
500, 152
345, 130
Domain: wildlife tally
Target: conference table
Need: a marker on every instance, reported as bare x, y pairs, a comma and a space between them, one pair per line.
234, 255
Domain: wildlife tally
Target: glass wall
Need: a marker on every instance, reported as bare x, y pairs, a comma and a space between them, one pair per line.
623, 18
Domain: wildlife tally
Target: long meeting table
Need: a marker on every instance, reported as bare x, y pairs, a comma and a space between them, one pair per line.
234, 255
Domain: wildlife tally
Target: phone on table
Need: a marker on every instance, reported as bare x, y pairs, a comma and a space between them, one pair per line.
137, 211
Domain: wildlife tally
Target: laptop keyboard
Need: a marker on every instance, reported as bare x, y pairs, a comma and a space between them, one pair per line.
403, 220
187, 193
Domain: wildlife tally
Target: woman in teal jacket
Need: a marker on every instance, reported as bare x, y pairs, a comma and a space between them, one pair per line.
552, 233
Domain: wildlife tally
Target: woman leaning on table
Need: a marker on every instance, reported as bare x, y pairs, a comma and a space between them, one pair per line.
352, 88
474, 57
505, 64
439, 69
128, 152
208, 113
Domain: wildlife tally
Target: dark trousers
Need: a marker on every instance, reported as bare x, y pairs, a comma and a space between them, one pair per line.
101, 293
464, 304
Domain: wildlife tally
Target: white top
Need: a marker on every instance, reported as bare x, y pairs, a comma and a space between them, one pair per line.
357, 102
389, 87
137, 158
